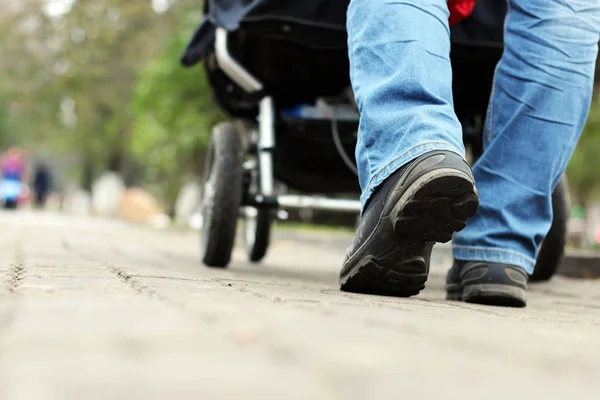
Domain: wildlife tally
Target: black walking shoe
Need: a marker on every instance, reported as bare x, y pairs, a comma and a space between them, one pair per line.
425, 201
487, 283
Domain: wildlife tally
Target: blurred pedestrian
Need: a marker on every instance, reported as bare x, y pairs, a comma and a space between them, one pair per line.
42, 183
13, 164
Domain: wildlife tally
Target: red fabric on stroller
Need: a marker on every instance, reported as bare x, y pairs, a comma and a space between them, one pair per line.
460, 9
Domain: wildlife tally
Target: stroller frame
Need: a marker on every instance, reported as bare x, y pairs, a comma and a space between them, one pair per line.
234, 187
265, 142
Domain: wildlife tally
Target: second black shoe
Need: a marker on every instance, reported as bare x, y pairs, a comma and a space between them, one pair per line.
424, 202
487, 283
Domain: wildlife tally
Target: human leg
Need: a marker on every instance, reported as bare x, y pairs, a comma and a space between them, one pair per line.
540, 99
416, 187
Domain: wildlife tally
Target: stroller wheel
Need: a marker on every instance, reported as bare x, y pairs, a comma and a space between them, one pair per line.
257, 232
221, 195
551, 253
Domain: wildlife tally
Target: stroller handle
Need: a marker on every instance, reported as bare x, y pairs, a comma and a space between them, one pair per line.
231, 67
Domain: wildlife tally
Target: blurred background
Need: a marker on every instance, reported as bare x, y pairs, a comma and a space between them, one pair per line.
109, 123
92, 88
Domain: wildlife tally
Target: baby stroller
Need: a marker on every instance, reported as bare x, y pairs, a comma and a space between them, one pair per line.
280, 68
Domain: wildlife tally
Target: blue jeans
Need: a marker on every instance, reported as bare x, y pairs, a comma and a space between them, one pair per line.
402, 80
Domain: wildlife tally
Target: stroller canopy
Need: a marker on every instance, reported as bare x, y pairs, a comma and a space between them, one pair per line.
229, 14
308, 18
320, 24
312, 23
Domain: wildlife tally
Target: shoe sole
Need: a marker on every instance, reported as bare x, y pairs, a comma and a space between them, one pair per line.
435, 206
491, 294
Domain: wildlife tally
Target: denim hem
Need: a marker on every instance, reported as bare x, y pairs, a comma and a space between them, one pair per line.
466, 253
416, 151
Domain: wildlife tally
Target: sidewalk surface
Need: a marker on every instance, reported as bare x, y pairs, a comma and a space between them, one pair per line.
93, 309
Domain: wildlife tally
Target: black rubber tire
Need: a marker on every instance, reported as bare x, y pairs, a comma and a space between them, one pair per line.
552, 251
219, 217
257, 243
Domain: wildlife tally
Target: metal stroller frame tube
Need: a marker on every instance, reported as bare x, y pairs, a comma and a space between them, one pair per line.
266, 144
266, 141
318, 203
266, 115
231, 67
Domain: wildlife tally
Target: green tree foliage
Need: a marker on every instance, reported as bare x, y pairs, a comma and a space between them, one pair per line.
26, 54
584, 168
103, 44
174, 113
78, 83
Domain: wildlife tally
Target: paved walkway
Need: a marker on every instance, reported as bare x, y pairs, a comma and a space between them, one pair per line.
100, 310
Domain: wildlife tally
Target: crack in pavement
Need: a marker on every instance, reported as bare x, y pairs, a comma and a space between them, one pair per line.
9, 290
16, 274
133, 282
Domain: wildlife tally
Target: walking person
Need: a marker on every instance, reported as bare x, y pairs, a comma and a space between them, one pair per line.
41, 185
14, 168
417, 188
13, 164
